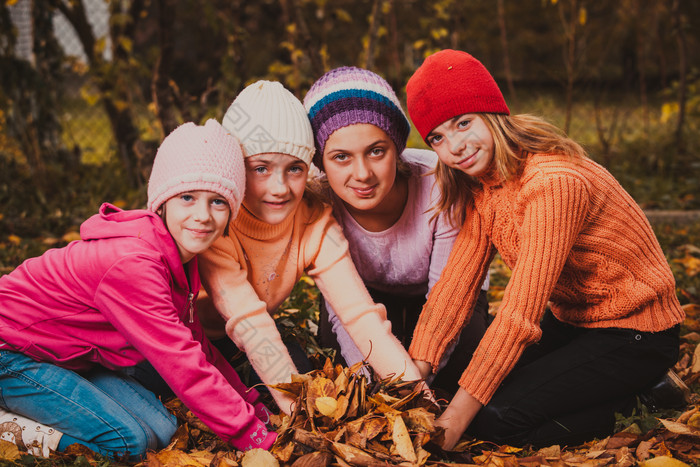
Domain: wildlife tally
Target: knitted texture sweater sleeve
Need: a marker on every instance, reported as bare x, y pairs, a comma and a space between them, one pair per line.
553, 209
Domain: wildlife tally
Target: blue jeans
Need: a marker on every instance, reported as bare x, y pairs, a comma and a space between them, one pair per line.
104, 410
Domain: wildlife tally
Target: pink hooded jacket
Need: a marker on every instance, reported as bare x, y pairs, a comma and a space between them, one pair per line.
118, 296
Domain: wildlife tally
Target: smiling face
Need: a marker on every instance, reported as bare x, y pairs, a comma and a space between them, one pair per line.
195, 219
275, 185
360, 163
463, 143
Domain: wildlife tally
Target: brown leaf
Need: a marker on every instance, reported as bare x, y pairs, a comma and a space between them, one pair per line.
329, 369
353, 455
284, 452
341, 407
402, 440
621, 439
314, 459
311, 440
341, 383
680, 428
419, 420
642, 451
372, 427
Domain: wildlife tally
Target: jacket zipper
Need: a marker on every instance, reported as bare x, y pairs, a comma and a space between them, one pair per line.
190, 304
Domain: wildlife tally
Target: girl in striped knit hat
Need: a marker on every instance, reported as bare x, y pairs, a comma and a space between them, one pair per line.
589, 318
282, 232
382, 195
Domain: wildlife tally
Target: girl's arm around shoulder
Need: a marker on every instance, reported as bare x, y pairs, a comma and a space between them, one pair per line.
136, 298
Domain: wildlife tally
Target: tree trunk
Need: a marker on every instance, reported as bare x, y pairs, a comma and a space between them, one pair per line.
506, 54
679, 29
368, 61
160, 86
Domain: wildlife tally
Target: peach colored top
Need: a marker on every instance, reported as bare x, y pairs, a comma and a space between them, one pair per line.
252, 271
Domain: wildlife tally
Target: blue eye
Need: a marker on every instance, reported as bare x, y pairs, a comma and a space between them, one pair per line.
186, 197
219, 202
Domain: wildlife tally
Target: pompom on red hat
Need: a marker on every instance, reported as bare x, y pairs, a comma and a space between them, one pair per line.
450, 83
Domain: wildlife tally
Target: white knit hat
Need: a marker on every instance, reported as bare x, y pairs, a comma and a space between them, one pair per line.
267, 118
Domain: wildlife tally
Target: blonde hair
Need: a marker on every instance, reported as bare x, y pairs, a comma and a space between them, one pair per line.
515, 138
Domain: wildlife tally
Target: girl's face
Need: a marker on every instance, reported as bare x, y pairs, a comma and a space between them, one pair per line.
274, 185
463, 143
360, 163
195, 219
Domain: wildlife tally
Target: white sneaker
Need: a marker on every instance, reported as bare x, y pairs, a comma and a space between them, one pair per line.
30, 436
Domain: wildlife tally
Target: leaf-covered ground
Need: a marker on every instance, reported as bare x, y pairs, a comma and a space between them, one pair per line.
343, 419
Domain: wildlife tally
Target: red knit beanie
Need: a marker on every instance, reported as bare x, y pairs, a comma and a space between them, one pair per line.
450, 83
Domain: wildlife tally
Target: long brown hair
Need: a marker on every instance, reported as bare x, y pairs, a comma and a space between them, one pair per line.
515, 138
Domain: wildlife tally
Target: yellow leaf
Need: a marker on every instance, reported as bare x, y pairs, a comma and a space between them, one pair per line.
175, 458
8, 451
307, 280
120, 203
694, 420
14, 239
326, 405
582, 16
663, 461
668, 110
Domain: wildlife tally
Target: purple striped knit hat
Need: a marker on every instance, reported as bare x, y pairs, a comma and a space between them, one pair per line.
348, 95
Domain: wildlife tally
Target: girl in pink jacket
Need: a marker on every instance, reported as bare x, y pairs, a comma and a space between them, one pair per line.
72, 319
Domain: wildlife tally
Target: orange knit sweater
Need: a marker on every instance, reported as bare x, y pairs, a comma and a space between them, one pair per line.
572, 237
252, 271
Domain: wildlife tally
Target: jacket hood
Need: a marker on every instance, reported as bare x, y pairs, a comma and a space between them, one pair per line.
113, 222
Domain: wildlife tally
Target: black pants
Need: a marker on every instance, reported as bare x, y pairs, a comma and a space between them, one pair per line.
403, 312
567, 388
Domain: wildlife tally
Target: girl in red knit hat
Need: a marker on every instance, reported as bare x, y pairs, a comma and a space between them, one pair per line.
589, 319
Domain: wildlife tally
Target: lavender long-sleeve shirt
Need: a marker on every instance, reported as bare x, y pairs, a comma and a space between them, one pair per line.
408, 257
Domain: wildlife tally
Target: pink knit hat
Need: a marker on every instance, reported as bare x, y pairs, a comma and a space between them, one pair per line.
448, 84
194, 158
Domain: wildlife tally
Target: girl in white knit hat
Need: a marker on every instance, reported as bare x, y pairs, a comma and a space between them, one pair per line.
281, 233
72, 319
